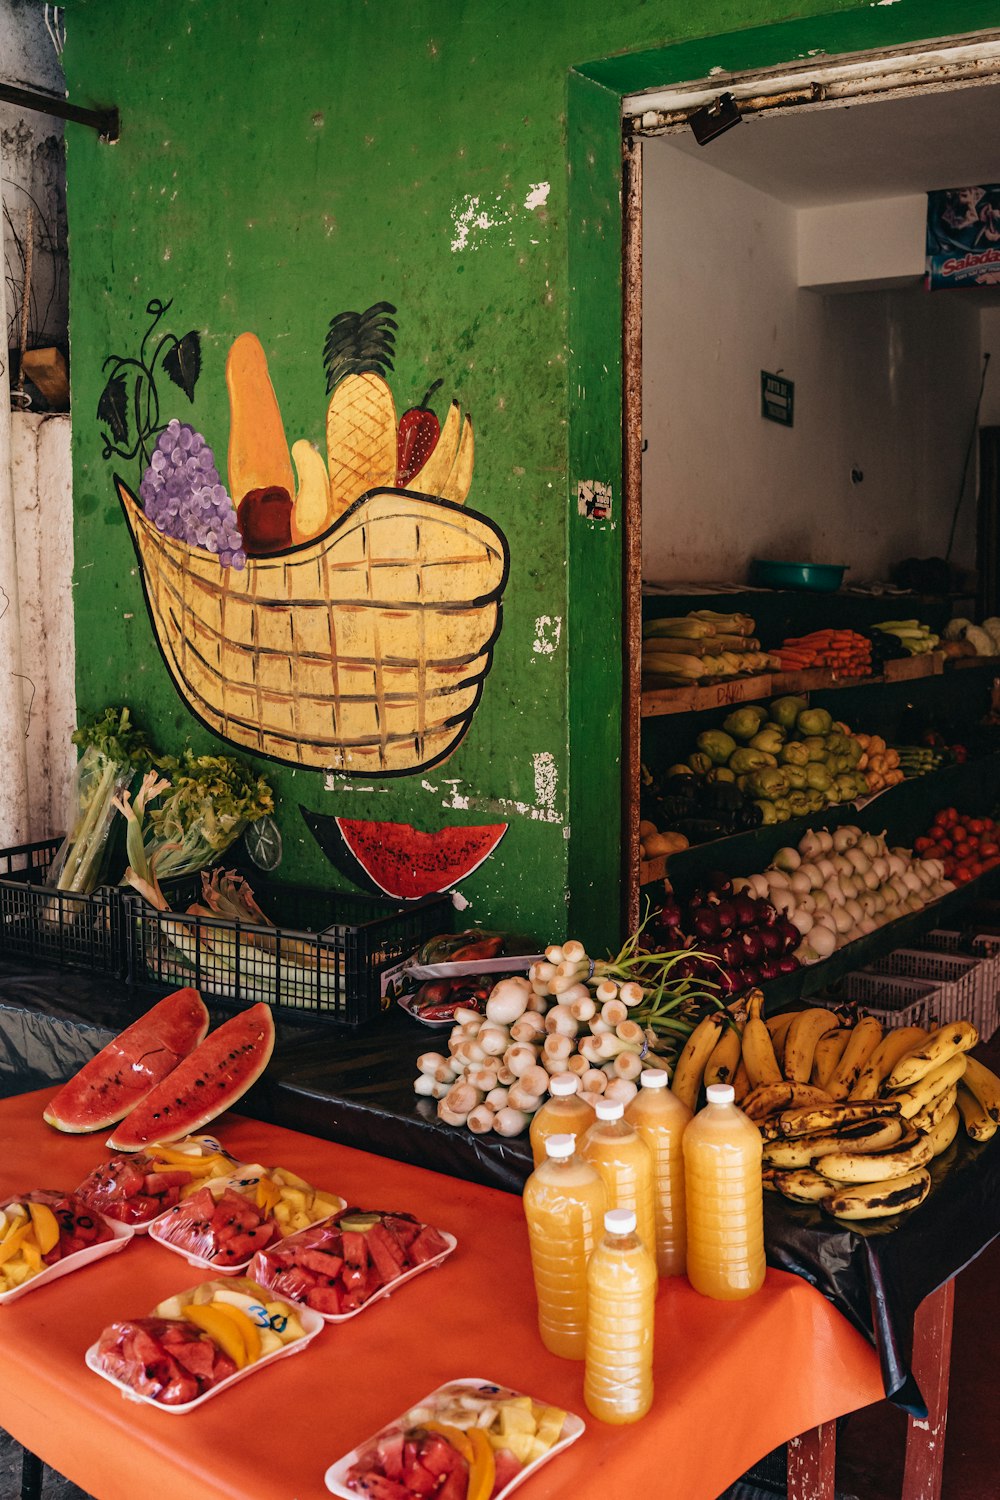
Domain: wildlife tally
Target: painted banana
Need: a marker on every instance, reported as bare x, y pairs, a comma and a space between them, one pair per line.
931, 1085
810, 1119
770, 1097
927, 1119
829, 1051
877, 1166
875, 1134
725, 1059
758, 1054
879, 1200
984, 1085
694, 1057
800, 1042
975, 1117
942, 1044
944, 1132
885, 1057
803, 1185
864, 1039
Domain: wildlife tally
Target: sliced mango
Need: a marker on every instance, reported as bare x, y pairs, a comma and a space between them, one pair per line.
246, 1326
458, 1439
220, 1329
268, 1194
483, 1470
45, 1225
13, 1242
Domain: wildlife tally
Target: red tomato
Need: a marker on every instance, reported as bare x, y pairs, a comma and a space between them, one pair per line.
946, 845
961, 876
958, 833
963, 849
976, 825
947, 816
989, 850
975, 869
922, 844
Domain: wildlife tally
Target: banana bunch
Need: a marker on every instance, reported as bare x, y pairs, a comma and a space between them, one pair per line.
894, 1103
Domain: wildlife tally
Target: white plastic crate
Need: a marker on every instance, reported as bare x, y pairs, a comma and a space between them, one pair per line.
893, 1001
966, 983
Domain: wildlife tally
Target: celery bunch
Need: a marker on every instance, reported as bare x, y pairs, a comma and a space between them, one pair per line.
113, 749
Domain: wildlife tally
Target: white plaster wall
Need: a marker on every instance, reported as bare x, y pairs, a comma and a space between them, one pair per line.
877, 243
990, 415
42, 481
884, 381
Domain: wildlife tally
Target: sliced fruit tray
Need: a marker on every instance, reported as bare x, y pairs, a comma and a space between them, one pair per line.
340, 1267
196, 1344
468, 1437
46, 1234
138, 1188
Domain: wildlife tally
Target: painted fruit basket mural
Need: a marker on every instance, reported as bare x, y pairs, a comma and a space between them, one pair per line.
337, 612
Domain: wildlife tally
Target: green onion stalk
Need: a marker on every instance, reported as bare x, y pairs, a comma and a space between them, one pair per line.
113, 749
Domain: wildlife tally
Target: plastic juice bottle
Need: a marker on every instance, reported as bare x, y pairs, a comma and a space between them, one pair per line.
625, 1163
564, 1204
621, 1291
565, 1113
661, 1119
722, 1180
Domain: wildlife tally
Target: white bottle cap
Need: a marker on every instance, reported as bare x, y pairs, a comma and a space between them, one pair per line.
653, 1078
619, 1221
560, 1146
561, 1085
720, 1093
609, 1109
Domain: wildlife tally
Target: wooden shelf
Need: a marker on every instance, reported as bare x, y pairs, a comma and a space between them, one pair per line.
963, 663
732, 690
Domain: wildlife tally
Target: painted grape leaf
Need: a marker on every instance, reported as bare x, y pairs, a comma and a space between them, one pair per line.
182, 363
113, 408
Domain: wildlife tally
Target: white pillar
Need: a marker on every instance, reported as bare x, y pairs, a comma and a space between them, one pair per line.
13, 718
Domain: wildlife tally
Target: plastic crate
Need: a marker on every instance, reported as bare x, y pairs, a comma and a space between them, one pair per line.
64, 928
324, 958
970, 979
894, 1002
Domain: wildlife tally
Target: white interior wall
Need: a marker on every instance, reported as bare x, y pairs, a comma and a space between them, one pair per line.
880, 242
885, 382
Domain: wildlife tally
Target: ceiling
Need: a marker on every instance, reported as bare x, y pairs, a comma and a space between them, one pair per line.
883, 149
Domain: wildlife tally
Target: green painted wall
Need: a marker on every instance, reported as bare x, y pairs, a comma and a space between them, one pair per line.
280, 162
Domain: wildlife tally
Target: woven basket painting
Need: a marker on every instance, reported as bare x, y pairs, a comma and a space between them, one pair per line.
363, 650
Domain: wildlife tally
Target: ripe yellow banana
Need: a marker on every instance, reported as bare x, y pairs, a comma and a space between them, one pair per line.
875, 1134
725, 1059
829, 1051
803, 1185
778, 1028
885, 1057
767, 1179
879, 1200
943, 1043
810, 1119
984, 1085
944, 1132
758, 1054
694, 1056
864, 1039
876, 1166
800, 1042
975, 1117
927, 1119
927, 1088
741, 1083
770, 1097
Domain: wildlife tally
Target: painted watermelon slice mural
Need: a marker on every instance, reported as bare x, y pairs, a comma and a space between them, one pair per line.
399, 860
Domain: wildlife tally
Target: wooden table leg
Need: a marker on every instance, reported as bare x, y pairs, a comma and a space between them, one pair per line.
31, 1476
812, 1462
931, 1369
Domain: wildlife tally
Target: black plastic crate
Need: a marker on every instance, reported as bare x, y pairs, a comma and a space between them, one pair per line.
57, 927
325, 957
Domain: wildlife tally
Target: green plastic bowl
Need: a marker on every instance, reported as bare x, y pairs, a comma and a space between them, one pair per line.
821, 578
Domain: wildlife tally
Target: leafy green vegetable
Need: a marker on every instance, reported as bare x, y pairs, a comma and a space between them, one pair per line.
113, 749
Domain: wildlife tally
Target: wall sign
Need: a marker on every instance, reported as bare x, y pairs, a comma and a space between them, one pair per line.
963, 237
777, 398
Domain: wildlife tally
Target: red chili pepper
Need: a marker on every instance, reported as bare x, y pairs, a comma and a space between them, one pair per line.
416, 437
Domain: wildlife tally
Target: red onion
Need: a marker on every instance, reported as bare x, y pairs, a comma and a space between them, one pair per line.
788, 964
771, 969
771, 939
725, 914
745, 909
753, 948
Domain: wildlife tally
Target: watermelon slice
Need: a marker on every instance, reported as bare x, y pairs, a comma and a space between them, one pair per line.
400, 860
111, 1084
214, 1076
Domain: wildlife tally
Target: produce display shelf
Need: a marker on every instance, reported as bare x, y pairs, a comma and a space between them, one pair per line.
964, 663
723, 694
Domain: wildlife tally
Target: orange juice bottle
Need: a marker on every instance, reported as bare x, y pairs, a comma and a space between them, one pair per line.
564, 1204
722, 1180
625, 1163
661, 1119
621, 1292
565, 1113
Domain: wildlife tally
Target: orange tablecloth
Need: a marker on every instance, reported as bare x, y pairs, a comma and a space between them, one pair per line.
732, 1380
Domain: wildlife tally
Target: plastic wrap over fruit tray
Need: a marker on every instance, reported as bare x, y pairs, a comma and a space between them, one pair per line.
343, 1265
23, 1238
385, 1451
245, 1215
159, 1359
136, 1188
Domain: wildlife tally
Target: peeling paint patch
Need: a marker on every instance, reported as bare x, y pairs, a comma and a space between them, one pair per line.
336, 781
537, 195
548, 629
546, 779
428, 786
593, 499
471, 215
